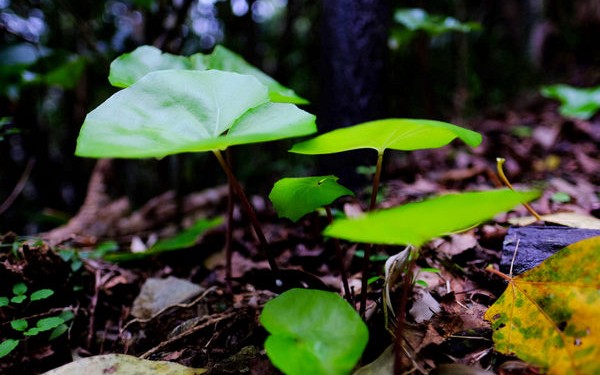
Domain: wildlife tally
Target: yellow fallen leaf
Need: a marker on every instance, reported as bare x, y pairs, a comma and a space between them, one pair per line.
549, 315
121, 364
569, 219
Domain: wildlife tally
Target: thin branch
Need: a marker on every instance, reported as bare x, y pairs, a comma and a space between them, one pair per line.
18, 187
264, 245
499, 164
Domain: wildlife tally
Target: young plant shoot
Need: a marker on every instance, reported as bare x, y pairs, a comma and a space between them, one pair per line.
395, 134
175, 111
294, 197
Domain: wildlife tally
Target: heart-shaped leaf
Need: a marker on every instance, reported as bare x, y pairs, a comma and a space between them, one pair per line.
175, 111
580, 103
298, 196
548, 316
130, 67
417, 223
313, 332
223, 59
396, 134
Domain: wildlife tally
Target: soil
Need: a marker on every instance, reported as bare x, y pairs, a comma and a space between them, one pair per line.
219, 328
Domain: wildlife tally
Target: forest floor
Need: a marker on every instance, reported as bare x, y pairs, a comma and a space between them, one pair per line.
217, 328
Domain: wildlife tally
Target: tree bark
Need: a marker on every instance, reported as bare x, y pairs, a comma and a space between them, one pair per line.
354, 47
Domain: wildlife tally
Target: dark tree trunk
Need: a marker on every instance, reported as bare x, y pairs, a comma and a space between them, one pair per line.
354, 44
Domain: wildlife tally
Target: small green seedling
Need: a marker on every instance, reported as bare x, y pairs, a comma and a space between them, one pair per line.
580, 103
56, 324
294, 197
313, 332
164, 112
395, 134
417, 223
130, 67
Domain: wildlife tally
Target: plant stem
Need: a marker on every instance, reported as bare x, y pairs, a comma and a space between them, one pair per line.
376, 179
340, 258
407, 283
369, 247
229, 233
237, 188
504, 179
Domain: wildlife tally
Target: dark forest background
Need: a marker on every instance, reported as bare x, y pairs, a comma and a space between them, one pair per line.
352, 59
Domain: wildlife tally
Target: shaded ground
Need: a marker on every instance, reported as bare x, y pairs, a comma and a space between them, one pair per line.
218, 329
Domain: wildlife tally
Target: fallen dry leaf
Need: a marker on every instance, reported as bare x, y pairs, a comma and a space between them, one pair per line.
568, 219
548, 316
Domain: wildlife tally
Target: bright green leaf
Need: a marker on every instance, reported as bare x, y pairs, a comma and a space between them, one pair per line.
298, 196
18, 299
548, 316
175, 111
417, 223
56, 332
47, 324
396, 134
4, 301
19, 324
185, 239
223, 59
41, 294
66, 315
19, 289
580, 103
131, 67
7, 346
31, 331
313, 332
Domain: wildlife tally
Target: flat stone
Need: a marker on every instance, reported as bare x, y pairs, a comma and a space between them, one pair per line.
536, 243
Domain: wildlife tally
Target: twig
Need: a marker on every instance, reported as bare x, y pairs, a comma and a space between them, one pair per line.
18, 187
212, 320
512, 261
248, 209
161, 311
499, 164
340, 257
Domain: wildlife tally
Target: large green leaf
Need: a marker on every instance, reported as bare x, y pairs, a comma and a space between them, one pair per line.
186, 239
130, 67
417, 223
396, 134
313, 332
223, 59
175, 111
295, 197
575, 102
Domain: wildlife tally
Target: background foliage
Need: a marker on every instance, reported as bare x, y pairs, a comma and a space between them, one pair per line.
54, 59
